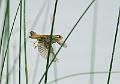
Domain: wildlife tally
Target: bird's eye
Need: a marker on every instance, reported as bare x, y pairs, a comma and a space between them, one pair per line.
32, 32
39, 40
58, 36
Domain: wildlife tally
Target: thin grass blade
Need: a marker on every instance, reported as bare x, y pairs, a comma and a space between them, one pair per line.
26, 70
114, 45
55, 8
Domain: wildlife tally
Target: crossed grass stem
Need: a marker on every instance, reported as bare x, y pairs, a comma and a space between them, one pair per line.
65, 40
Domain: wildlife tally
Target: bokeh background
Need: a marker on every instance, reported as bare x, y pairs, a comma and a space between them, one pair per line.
89, 48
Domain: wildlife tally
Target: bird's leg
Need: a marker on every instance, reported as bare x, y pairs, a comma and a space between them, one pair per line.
35, 44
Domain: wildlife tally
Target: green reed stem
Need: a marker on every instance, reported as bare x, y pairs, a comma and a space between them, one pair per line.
93, 43
4, 32
20, 43
7, 35
0, 3
111, 63
79, 74
26, 70
3, 29
50, 46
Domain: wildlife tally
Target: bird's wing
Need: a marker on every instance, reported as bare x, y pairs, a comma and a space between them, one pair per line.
43, 50
60, 42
